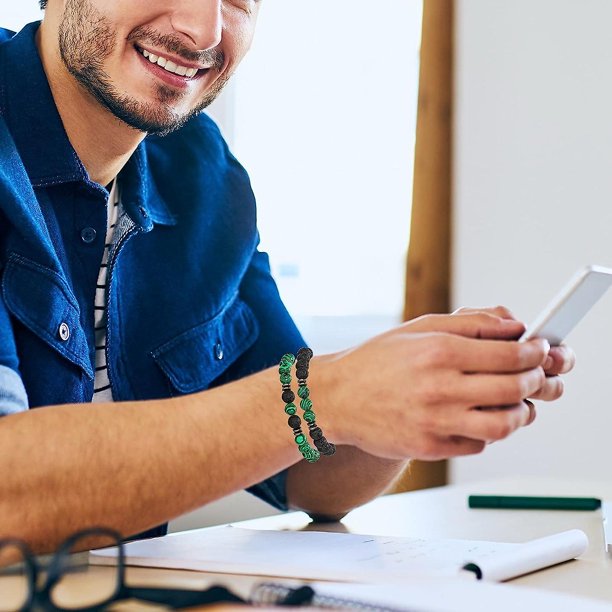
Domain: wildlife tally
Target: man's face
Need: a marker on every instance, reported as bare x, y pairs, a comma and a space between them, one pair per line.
155, 63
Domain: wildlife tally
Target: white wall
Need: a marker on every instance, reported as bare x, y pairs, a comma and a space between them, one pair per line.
14, 15
325, 125
533, 198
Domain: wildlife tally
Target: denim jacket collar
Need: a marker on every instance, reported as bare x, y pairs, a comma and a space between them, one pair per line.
31, 115
28, 107
140, 198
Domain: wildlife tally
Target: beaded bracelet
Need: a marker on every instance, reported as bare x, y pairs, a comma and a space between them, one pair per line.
301, 371
310, 454
323, 446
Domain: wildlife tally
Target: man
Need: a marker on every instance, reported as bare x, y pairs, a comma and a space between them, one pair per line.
130, 277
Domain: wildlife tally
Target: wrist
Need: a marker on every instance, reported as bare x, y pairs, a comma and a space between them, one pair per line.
325, 383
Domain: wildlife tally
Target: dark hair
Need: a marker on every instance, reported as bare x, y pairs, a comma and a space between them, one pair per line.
43, 4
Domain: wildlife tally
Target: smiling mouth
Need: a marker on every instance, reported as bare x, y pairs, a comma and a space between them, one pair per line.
170, 66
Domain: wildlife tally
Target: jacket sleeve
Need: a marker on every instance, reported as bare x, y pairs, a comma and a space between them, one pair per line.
278, 334
13, 396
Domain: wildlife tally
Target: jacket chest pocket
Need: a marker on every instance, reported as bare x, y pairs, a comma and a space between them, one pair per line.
192, 360
42, 301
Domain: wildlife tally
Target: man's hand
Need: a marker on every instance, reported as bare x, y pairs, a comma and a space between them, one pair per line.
560, 359
441, 385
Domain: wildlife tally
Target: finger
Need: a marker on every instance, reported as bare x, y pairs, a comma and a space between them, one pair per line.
498, 311
560, 360
498, 389
458, 446
532, 411
450, 446
490, 425
473, 325
551, 390
470, 355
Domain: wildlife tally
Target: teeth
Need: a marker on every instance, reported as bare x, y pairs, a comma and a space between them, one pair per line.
170, 66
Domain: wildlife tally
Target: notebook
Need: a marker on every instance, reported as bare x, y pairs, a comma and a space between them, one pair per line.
432, 595
344, 557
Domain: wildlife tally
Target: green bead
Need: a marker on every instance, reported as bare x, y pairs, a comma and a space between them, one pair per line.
303, 392
288, 359
306, 404
300, 439
285, 379
284, 370
290, 409
310, 454
309, 416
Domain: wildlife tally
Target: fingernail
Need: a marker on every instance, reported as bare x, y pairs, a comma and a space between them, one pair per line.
549, 363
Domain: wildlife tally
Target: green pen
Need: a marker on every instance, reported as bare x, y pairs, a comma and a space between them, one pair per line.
524, 502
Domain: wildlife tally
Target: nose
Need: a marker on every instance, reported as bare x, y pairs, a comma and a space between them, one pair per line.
199, 20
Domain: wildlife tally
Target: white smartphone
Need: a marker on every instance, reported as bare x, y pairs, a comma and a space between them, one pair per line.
570, 305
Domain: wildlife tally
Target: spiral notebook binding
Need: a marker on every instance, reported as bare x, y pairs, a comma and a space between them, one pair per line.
270, 593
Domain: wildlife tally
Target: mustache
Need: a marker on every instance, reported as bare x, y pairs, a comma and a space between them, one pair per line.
173, 44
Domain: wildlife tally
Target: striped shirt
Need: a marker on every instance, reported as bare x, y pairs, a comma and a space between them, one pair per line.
102, 386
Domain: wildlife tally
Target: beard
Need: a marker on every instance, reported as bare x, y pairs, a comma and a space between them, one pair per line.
86, 40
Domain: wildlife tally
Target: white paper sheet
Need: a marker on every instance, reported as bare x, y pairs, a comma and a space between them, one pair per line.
340, 556
532, 556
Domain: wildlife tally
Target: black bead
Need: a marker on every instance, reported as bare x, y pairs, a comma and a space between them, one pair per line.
321, 442
316, 433
330, 450
305, 351
288, 396
301, 373
327, 448
294, 421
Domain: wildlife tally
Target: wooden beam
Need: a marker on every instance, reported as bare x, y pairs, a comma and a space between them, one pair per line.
428, 275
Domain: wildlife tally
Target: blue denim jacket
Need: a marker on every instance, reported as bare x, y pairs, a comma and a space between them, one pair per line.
191, 303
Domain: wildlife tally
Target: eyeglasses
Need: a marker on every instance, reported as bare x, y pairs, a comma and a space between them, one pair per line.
69, 584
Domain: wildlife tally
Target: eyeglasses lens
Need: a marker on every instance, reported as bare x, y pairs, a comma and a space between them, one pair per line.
15, 579
82, 585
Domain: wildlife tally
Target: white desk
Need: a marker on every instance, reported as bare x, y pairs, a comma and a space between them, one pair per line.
443, 513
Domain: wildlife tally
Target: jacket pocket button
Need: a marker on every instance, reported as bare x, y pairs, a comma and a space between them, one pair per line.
219, 351
64, 332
